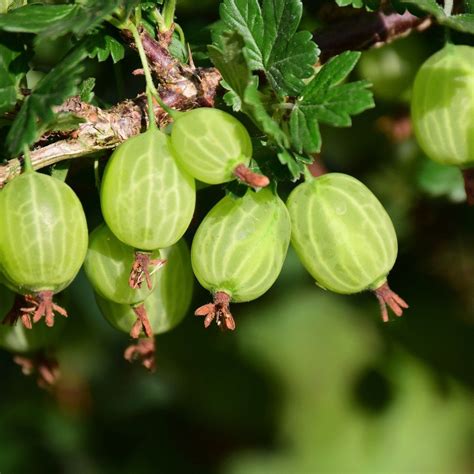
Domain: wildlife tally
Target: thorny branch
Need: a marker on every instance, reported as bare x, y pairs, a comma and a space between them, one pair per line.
364, 30
181, 87
184, 87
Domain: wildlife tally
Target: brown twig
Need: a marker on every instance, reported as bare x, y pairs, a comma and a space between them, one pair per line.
181, 88
365, 30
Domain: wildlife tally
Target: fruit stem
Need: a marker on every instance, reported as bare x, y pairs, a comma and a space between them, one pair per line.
248, 177
388, 297
142, 323
27, 160
448, 7
168, 13
150, 86
307, 174
468, 175
151, 91
219, 310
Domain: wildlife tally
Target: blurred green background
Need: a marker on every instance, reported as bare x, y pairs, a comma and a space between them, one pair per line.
310, 382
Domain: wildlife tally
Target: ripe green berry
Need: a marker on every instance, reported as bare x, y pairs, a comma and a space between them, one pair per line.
147, 199
214, 147
43, 239
443, 106
392, 68
167, 304
107, 266
238, 251
344, 237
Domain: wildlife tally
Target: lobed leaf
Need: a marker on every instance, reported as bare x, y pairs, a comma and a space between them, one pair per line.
52, 21
13, 67
326, 100
463, 22
104, 46
272, 42
243, 93
37, 109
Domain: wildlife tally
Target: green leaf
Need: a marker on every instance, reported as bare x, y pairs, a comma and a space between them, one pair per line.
65, 122
34, 18
463, 22
369, 4
104, 45
52, 21
36, 112
12, 69
61, 170
231, 61
325, 99
272, 42
295, 167
440, 180
86, 89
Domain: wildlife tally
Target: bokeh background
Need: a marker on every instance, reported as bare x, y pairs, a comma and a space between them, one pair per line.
310, 382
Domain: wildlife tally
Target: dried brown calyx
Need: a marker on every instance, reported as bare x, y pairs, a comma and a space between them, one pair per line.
45, 367
143, 351
250, 178
389, 298
142, 324
141, 269
42, 305
15, 313
218, 311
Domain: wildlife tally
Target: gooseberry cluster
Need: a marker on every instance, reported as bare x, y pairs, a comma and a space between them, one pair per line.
139, 264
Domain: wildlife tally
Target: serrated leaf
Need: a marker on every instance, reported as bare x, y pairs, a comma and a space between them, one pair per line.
34, 18
429, 6
178, 50
272, 42
13, 67
36, 111
103, 46
287, 159
353, 3
86, 89
231, 61
326, 100
368, 4
52, 21
463, 22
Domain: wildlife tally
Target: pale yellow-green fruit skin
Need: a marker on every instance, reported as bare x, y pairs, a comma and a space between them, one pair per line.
341, 233
241, 245
147, 200
209, 144
107, 266
43, 233
442, 106
168, 303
